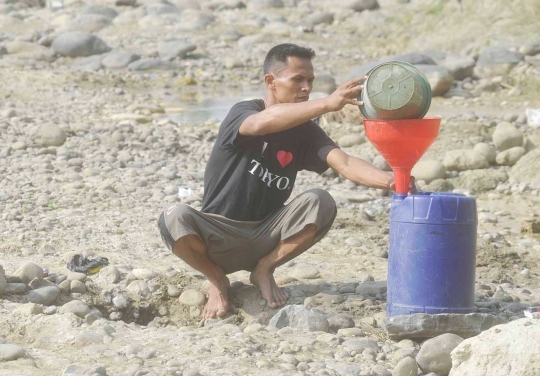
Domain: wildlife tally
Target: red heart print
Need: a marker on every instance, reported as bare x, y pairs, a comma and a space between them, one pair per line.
284, 157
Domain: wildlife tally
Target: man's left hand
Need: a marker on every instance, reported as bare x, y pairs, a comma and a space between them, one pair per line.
412, 186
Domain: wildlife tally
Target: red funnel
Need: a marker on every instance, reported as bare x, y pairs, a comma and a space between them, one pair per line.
402, 143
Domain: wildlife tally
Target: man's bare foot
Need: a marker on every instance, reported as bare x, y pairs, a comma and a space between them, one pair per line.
275, 297
218, 300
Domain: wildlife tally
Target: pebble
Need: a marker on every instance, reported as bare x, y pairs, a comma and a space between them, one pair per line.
307, 272
29, 271
405, 367
78, 287
434, 354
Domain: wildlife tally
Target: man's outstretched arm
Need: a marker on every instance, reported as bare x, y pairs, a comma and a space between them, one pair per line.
284, 116
359, 171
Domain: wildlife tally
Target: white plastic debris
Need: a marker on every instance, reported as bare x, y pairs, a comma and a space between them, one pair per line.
533, 117
184, 192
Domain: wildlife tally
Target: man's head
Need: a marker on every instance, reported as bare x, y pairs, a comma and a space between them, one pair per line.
288, 73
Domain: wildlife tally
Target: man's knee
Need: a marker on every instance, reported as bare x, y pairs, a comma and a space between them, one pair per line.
324, 199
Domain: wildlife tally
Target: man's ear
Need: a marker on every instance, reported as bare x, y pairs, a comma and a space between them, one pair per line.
269, 81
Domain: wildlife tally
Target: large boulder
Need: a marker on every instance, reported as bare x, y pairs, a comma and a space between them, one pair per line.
463, 160
507, 136
439, 78
434, 355
487, 150
526, 170
511, 349
460, 67
477, 181
496, 61
78, 43
429, 170
510, 156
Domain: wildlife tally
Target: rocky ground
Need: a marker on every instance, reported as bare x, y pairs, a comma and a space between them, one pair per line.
90, 154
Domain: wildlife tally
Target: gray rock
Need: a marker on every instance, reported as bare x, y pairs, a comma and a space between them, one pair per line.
340, 321
507, 136
487, 150
463, 160
478, 181
77, 287
89, 337
192, 298
88, 23
343, 368
264, 4
324, 83
51, 135
429, 170
29, 271
44, 295
380, 370
413, 58
460, 67
79, 44
360, 344
439, 78
13, 288
138, 288
162, 8
510, 156
193, 19
406, 367
381, 163
421, 325
173, 49
318, 18
100, 9
301, 317
79, 370
145, 274
434, 355
358, 5
3, 280
11, 352
109, 275
119, 59
77, 307
151, 64
371, 288
76, 276
88, 64
511, 349
496, 61
530, 48
351, 140
307, 272
526, 169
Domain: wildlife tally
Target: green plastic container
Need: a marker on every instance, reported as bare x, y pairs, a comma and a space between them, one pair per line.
395, 90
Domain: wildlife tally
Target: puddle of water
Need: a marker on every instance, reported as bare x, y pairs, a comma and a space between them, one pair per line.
200, 108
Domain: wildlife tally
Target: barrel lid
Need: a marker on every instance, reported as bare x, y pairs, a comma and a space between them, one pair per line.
390, 86
435, 208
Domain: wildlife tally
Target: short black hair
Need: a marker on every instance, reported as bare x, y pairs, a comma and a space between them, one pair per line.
279, 54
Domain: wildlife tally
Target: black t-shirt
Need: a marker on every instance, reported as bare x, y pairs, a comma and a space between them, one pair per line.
249, 177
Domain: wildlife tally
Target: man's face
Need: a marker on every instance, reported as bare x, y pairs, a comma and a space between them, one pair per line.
293, 83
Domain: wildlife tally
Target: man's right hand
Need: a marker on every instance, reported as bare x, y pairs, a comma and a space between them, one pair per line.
346, 94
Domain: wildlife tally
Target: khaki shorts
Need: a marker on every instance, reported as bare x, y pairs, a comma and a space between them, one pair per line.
236, 245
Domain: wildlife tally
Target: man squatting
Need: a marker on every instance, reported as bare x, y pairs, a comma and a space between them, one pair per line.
260, 147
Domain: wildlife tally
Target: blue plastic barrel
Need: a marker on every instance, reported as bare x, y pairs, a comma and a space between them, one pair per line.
432, 256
